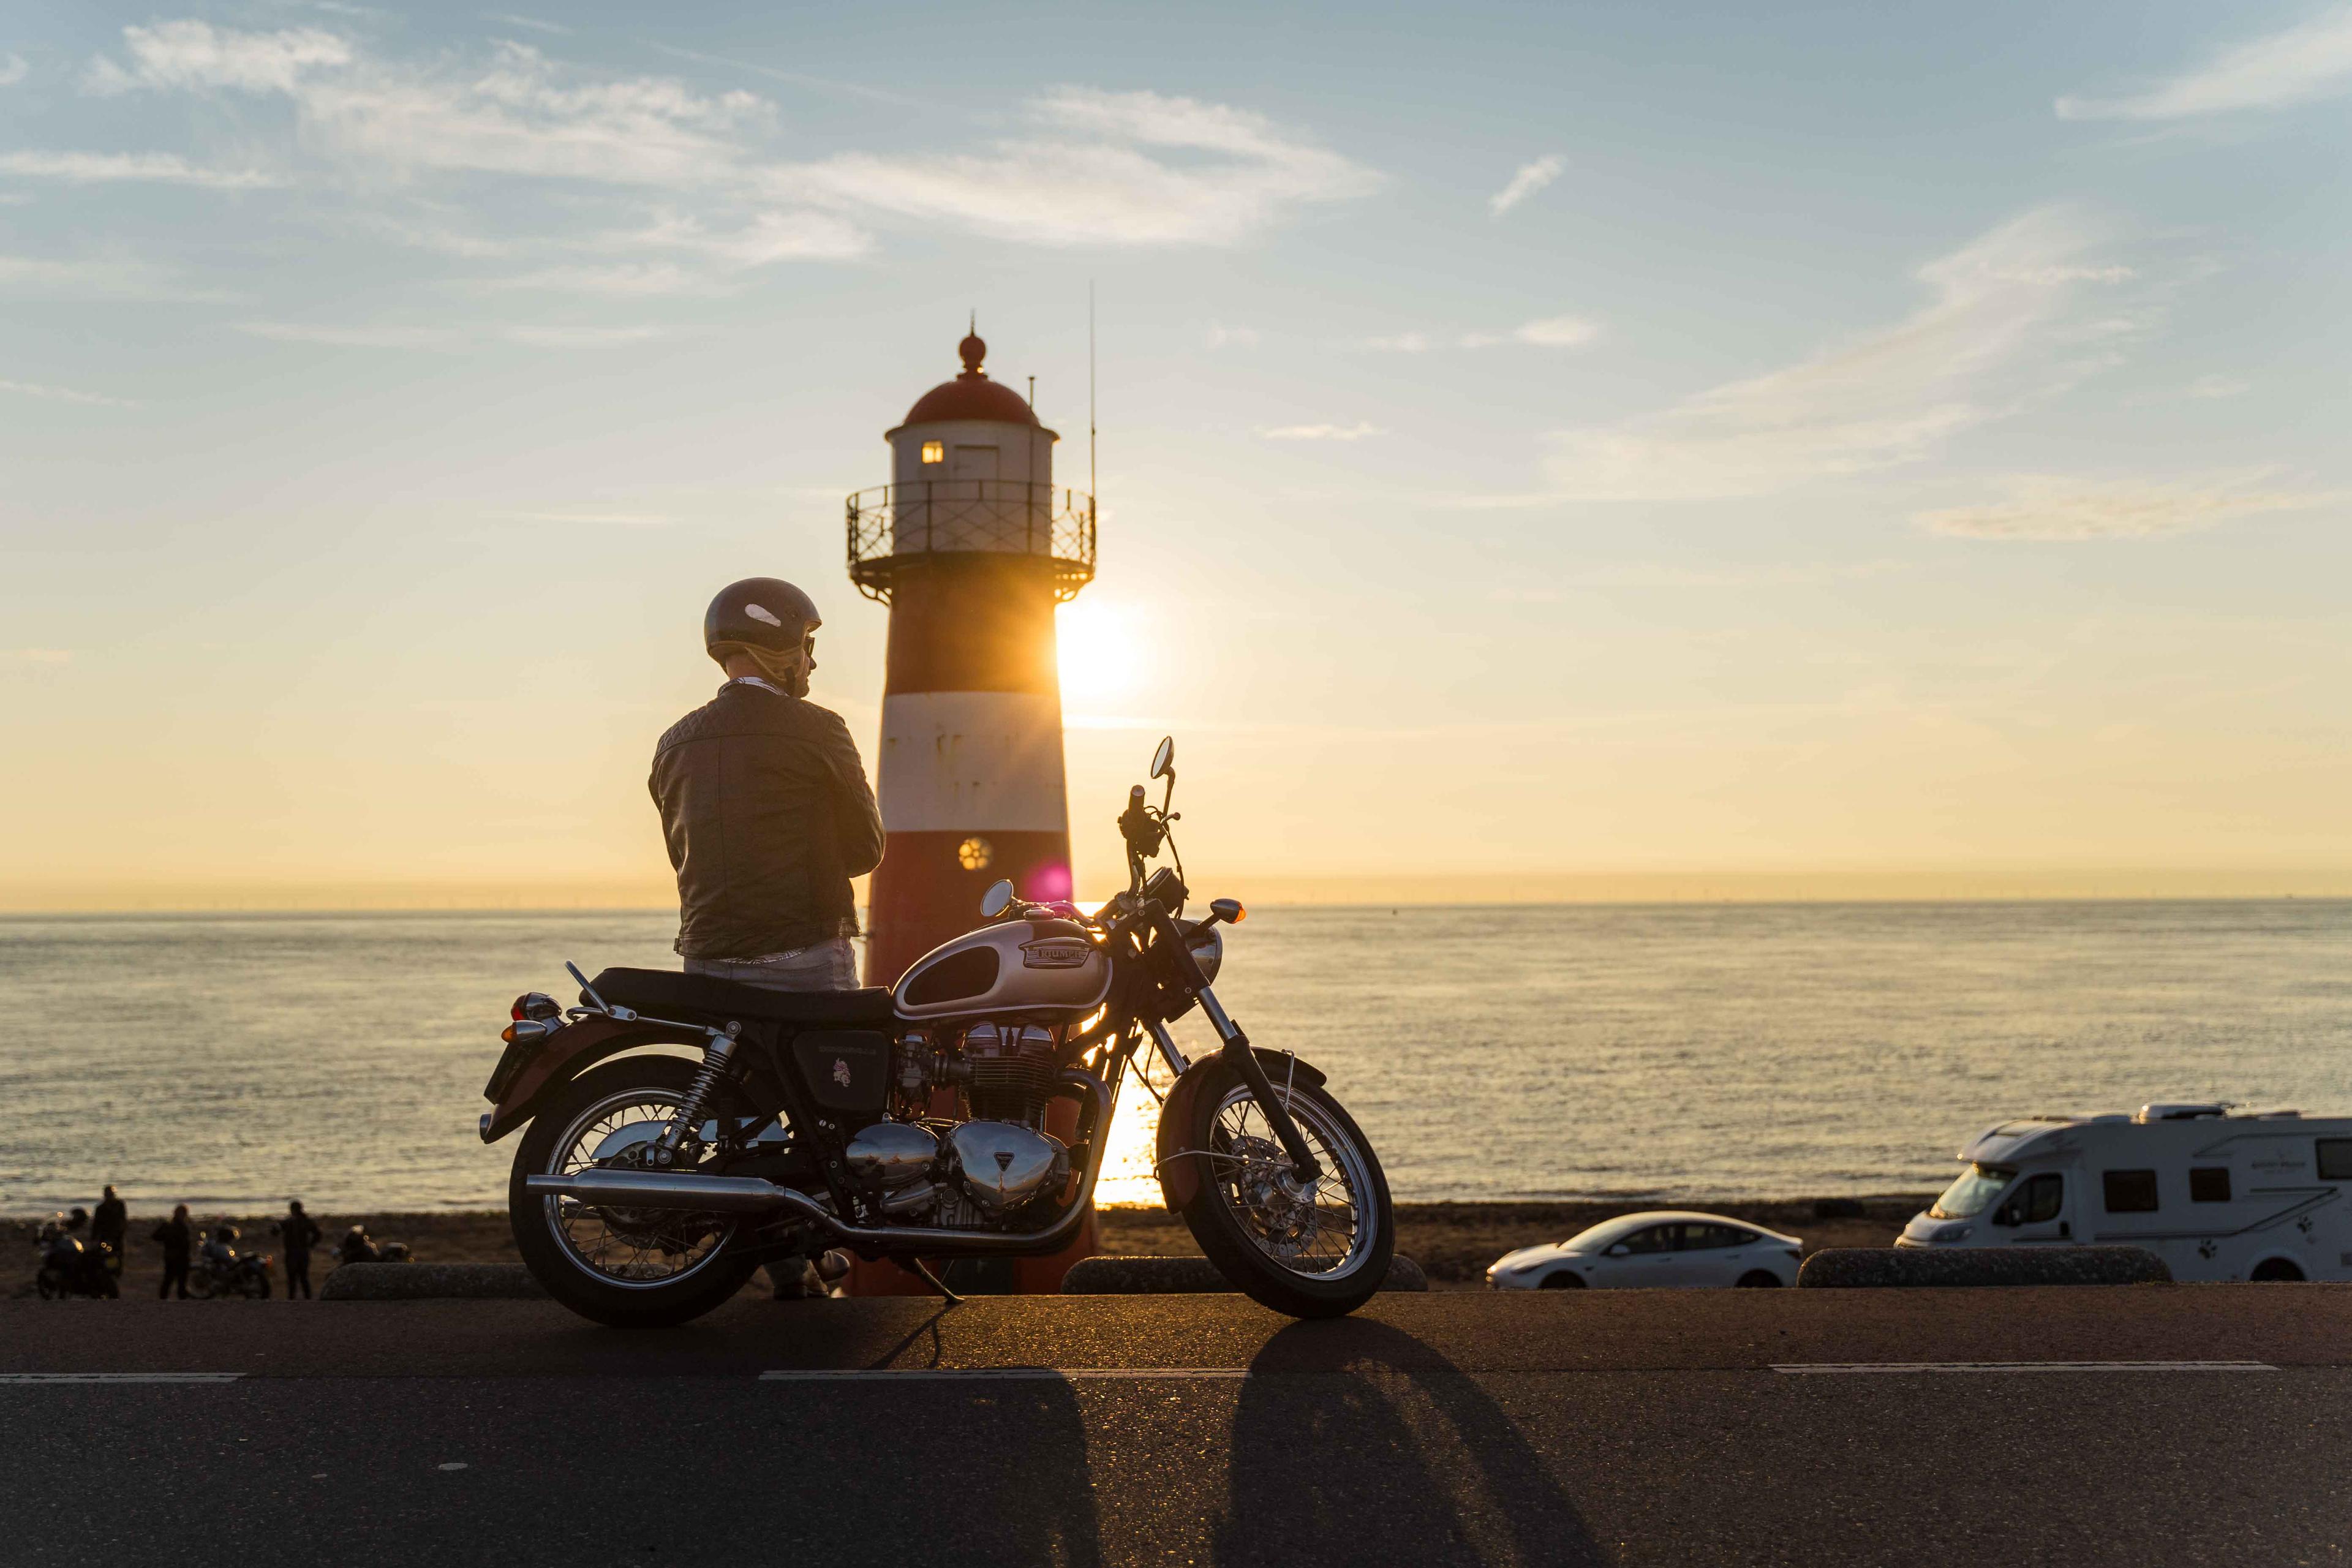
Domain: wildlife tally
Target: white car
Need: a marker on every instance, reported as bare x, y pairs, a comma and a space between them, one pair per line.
1663, 1247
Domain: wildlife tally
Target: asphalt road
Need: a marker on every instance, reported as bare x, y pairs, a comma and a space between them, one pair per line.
1651, 1427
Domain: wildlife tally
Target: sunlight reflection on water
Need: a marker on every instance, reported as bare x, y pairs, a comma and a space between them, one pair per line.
1691, 1050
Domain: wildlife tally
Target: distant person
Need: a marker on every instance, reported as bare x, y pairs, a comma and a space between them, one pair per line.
356, 1247
764, 804
108, 1225
298, 1233
179, 1239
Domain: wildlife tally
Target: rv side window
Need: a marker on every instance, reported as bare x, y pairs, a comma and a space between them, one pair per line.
2209, 1184
2334, 1159
2132, 1191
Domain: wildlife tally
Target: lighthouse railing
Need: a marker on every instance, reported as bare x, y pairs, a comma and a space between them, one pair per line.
893, 526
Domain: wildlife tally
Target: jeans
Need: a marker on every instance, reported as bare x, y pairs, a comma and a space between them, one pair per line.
830, 966
298, 1273
175, 1272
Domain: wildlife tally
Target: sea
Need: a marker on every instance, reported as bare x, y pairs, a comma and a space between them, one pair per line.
1669, 1052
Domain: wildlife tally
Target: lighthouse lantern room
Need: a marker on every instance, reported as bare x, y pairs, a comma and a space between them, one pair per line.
971, 547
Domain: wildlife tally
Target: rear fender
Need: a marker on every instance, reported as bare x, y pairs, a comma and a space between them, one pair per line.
564, 1056
1180, 1179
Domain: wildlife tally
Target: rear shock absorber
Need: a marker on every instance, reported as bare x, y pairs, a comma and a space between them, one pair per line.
688, 1115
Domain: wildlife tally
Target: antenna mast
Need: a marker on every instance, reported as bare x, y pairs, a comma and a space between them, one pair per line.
1094, 494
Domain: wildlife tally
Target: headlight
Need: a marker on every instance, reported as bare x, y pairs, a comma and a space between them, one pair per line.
1208, 945
1951, 1233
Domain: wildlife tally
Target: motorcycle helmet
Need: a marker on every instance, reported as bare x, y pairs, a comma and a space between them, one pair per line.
768, 618
225, 1233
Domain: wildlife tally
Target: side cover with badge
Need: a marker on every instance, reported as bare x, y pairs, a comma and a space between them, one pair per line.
846, 1071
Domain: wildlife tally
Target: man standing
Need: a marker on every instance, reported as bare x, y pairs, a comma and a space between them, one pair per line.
299, 1233
107, 1227
764, 804
178, 1237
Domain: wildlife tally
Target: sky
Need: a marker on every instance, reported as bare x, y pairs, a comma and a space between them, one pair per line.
1542, 448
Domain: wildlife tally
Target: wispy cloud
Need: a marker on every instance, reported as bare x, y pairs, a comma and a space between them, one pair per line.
13, 70
163, 168
2054, 507
2001, 329
95, 277
330, 335
2310, 60
795, 79
1099, 168
1558, 332
1319, 432
533, 22
1221, 337
40, 655
1668, 577
1551, 332
556, 335
1083, 167
580, 337
65, 394
1527, 181
609, 519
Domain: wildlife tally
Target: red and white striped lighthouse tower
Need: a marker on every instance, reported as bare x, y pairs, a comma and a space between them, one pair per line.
971, 547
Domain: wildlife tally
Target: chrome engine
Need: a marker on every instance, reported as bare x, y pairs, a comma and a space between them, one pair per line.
978, 1171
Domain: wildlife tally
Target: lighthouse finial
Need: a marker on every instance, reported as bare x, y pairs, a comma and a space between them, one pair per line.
972, 349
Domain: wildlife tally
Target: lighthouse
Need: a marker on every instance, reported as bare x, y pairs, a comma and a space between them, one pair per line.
971, 547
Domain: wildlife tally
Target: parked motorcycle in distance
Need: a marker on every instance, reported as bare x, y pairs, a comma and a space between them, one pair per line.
648, 1188
72, 1267
220, 1270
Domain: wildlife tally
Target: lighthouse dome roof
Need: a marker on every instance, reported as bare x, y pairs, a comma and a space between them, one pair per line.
972, 395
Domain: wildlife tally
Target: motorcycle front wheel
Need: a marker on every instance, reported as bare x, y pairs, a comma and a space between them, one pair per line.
628, 1268
1311, 1251
52, 1289
200, 1284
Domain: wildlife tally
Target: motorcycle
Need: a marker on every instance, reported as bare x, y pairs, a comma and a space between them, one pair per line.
646, 1190
72, 1267
222, 1271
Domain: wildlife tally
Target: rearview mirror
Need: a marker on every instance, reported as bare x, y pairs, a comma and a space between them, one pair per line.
1163, 761
1620, 1250
998, 899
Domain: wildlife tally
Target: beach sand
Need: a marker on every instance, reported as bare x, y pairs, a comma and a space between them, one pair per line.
1453, 1242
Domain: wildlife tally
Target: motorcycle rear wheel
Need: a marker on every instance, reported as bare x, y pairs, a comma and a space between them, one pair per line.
1310, 1255
613, 1266
52, 1289
256, 1286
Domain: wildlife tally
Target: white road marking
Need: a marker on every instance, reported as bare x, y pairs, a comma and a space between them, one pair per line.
119, 1377
1874, 1367
1004, 1373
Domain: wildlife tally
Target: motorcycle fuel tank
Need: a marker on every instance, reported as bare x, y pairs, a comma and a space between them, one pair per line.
1013, 966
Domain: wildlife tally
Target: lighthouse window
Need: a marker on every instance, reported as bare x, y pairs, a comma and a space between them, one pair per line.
935, 451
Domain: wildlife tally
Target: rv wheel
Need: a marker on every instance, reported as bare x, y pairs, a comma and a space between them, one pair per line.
2276, 1270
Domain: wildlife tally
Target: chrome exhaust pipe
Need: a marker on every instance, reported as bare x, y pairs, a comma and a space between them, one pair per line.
663, 1190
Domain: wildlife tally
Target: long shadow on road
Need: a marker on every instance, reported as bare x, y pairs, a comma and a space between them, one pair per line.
1395, 1455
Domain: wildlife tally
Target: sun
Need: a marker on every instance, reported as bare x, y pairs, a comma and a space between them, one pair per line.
1101, 651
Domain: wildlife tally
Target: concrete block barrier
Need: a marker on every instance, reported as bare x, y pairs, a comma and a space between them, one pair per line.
1848, 1268
1186, 1276
430, 1282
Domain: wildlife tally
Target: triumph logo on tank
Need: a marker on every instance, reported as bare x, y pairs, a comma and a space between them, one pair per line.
841, 1071
1054, 954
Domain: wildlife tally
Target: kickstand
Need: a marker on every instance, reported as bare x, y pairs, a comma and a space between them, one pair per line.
936, 1283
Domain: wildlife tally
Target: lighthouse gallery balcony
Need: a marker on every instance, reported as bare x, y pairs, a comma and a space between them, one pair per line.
893, 528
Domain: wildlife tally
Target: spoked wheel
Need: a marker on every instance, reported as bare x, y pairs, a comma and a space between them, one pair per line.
630, 1268
1314, 1249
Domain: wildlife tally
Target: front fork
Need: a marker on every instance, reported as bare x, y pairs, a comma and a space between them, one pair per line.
1236, 1054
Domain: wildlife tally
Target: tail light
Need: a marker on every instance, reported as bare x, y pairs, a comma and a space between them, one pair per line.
537, 1006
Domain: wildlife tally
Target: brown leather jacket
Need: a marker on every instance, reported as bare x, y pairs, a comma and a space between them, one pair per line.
768, 815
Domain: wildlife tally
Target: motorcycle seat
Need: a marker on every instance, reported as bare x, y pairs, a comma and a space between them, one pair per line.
666, 992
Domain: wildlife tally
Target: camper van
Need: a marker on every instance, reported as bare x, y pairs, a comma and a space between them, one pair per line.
2216, 1194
